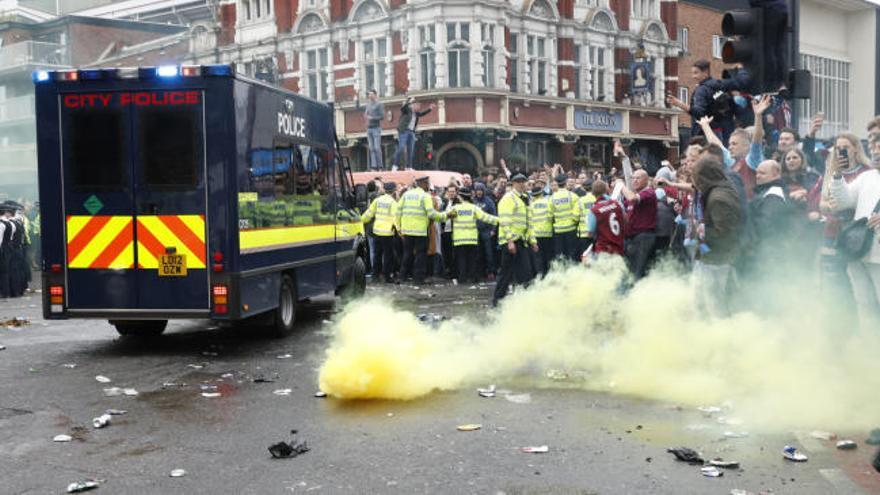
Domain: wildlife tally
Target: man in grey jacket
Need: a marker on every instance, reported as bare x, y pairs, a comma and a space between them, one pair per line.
373, 114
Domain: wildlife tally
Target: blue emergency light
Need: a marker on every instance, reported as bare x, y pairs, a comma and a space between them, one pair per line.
40, 76
216, 70
167, 71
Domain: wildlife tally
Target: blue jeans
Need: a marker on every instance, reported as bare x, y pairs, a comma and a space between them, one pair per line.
374, 147
405, 139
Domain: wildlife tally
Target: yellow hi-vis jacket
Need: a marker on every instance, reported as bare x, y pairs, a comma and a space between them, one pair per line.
415, 210
464, 225
540, 218
584, 204
513, 220
564, 209
384, 210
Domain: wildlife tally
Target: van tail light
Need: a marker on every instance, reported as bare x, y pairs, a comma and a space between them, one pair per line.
220, 298
56, 268
217, 266
56, 298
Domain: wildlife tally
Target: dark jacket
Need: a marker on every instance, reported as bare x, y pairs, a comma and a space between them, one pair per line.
722, 214
406, 115
771, 214
486, 204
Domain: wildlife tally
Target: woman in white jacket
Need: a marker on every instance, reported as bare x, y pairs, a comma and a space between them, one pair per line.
863, 194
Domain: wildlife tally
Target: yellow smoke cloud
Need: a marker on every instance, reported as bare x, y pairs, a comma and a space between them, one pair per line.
794, 370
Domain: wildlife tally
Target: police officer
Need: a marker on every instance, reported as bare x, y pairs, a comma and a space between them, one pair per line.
415, 211
514, 238
541, 224
465, 236
6, 229
564, 209
19, 270
384, 210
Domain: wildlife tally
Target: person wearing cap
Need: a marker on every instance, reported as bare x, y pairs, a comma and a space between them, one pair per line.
465, 236
514, 237
18, 269
415, 211
541, 223
384, 210
564, 211
487, 232
585, 202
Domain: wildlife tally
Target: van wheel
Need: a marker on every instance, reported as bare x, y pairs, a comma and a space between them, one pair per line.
357, 285
143, 329
285, 313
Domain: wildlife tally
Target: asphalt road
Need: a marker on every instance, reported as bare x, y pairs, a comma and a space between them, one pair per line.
598, 443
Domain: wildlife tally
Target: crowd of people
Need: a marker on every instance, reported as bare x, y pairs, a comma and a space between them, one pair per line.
750, 205
17, 235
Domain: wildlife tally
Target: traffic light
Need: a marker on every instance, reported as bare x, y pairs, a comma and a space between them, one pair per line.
429, 152
746, 45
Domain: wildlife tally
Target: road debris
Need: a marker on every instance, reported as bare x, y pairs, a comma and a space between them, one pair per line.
736, 434
543, 449
557, 375
283, 391
685, 454
519, 398
724, 420
847, 445
823, 435
116, 412
284, 356
264, 379
284, 450
711, 472
17, 322
320, 394
130, 392
195, 366
69, 366
102, 421
102, 379
709, 410
62, 438
430, 318
719, 462
487, 392
82, 486
792, 454
469, 427
2, 347
178, 473
211, 395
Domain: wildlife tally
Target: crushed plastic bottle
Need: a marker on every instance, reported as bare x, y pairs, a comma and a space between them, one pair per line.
542, 449
102, 379
469, 427
102, 421
62, 438
283, 392
82, 486
178, 473
711, 472
847, 445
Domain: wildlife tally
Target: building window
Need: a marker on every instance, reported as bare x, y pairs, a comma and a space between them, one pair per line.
830, 94
683, 94
717, 45
514, 63
458, 53
375, 52
427, 57
488, 38
644, 8
683, 33
536, 48
576, 65
316, 73
598, 72
253, 10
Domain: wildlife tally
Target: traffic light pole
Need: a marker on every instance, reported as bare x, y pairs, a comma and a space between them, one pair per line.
793, 50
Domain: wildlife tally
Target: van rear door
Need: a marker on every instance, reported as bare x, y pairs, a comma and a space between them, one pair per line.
135, 201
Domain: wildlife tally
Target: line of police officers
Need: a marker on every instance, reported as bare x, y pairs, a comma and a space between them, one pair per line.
15, 232
532, 230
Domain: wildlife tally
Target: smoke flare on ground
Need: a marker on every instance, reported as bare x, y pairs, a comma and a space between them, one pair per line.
788, 371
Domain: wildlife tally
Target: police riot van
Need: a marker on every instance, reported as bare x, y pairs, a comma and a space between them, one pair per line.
189, 192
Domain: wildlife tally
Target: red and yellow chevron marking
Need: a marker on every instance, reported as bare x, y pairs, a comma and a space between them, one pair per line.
185, 233
100, 241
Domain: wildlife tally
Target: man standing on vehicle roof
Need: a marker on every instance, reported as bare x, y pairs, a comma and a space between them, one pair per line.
414, 212
374, 114
406, 130
384, 210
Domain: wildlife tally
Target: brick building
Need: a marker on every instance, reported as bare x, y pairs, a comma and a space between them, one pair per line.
543, 80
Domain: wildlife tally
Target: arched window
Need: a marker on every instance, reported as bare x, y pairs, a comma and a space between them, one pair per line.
458, 53
427, 57
488, 40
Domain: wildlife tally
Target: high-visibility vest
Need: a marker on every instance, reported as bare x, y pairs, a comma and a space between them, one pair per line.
384, 210
513, 219
414, 210
540, 218
584, 204
464, 225
564, 208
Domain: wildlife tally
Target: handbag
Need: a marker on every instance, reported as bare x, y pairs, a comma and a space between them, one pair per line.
855, 238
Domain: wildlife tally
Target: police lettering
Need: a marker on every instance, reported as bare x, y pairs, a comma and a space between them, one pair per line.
141, 99
291, 126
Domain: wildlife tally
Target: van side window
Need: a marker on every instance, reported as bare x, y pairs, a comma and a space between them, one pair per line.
98, 146
168, 144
